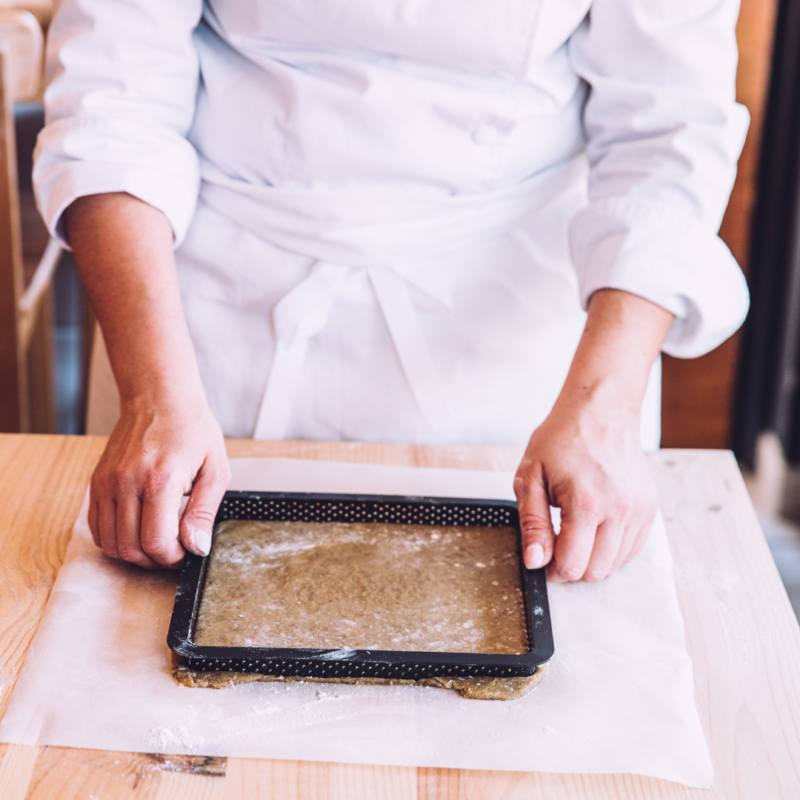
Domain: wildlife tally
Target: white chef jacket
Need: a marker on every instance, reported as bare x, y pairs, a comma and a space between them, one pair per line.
390, 214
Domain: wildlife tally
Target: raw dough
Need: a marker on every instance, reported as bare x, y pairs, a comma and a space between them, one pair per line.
365, 586
472, 688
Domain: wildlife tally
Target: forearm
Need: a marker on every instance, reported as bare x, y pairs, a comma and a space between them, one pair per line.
123, 249
621, 340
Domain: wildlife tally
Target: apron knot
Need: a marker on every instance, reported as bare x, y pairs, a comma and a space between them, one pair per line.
303, 312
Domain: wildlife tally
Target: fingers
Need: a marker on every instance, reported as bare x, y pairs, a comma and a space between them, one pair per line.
613, 540
107, 526
534, 515
198, 518
640, 539
590, 552
128, 521
574, 543
159, 522
142, 526
118, 522
94, 511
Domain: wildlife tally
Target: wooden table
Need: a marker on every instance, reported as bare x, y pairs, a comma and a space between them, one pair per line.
740, 630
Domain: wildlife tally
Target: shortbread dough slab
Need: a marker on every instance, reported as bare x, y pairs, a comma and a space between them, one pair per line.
471, 688
364, 586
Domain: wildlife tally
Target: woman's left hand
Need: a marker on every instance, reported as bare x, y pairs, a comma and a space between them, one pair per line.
585, 458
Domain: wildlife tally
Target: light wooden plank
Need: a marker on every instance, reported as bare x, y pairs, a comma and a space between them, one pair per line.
21, 38
42, 367
252, 779
447, 784
740, 629
16, 769
41, 271
503, 459
13, 371
44, 479
41, 9
71, 774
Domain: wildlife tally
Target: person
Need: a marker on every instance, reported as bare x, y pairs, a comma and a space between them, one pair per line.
394, 220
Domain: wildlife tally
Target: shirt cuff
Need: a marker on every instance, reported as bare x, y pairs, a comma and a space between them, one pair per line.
667, 258
79, 156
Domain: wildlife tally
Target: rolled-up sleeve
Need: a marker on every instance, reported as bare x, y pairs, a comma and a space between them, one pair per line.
122, 84
664, 134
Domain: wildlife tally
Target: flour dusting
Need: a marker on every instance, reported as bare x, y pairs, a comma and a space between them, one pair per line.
176, 736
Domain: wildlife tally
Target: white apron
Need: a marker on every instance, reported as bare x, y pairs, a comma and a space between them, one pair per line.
325, 315
386, 318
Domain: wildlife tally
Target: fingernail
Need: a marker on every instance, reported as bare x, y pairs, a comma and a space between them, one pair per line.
201, 539
534, 556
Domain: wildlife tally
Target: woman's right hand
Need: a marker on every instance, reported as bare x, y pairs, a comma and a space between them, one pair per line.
158, 453
166, 444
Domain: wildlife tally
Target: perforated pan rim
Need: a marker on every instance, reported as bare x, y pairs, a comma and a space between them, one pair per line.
385, 664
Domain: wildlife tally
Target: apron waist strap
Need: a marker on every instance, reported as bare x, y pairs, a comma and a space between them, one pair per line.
304, 311
371, 228
396, 238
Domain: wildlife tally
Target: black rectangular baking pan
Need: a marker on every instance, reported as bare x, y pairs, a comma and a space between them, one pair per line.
334, 663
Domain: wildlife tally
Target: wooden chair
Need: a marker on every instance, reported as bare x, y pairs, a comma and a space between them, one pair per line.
27, 380
41, 9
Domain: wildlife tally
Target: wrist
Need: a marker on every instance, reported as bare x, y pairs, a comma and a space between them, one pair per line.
158, 377
162, 393
612, 394
611, 367
601, 412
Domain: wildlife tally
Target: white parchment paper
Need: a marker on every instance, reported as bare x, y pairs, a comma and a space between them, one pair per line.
618, 697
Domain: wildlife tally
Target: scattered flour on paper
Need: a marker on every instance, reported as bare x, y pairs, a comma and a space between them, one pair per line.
177, 736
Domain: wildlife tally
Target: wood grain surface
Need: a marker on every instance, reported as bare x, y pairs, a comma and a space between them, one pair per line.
740, 630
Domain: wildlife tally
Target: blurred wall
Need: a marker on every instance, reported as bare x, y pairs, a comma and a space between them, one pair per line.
697, 404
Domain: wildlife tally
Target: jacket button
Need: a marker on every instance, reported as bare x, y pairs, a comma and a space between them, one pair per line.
486, 135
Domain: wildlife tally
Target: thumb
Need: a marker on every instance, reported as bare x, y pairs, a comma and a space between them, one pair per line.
198, 517
538, 536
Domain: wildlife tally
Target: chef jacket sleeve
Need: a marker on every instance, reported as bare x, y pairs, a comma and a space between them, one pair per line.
664, 134
122, 81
